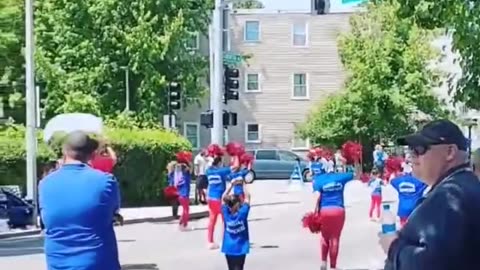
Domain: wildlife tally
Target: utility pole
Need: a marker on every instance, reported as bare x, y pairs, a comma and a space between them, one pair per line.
127, 89
217, 85
30, 136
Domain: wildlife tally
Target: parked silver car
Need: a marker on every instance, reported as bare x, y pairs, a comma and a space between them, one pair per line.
275, 164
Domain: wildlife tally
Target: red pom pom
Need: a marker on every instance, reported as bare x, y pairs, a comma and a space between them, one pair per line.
234, 149
246, 159
214, 150
170, 193
327, 154
352, 152
319, 151
184, 157
393, 164
312, 221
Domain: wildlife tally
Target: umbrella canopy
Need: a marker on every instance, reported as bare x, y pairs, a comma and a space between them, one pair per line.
70, 122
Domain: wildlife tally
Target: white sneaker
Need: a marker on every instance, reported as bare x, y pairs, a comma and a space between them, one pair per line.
213, 246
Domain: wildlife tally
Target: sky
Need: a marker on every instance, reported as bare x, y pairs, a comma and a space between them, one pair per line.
286, 4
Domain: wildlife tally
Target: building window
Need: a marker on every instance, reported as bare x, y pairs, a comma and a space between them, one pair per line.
252, 133
252, 81
191, 131
300, 34
252, 31
300, 144
193, 41
300, 86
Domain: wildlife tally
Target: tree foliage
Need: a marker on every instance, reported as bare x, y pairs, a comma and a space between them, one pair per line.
388, 79
247, 4
85, 47
11, 57
461, 19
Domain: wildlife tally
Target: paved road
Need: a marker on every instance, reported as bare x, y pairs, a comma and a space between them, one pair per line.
278, 241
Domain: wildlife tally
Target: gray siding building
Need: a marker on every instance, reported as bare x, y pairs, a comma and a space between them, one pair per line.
294, 66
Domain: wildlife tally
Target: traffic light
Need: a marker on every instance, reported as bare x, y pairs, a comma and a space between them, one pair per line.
174, 96
231, 84
206, 119
229, 119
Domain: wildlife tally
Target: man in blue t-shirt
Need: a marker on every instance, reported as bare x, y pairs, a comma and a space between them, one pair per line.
77, 206
410, 190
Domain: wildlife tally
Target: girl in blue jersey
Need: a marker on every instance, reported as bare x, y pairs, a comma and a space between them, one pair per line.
329, 188
410, 191
180, 177
238, 175
236, 242
217, 176
316, 166
375, 184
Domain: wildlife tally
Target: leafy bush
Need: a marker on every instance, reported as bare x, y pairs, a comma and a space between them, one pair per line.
142, 158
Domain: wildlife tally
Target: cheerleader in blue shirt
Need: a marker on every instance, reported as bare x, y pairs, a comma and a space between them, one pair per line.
236, 241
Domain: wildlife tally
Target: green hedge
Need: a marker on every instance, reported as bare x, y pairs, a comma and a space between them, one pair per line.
142, 158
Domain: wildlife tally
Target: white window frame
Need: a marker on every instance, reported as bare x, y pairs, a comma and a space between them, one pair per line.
307, 82
259, 140
197, 125
225, 136
245, 32
306, 35
245, 79
306, 147
195, 35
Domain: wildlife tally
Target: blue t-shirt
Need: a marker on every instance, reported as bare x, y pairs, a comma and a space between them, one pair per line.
376, 185
235, 238
379, 159
183, 186
217, 178
331, 186
410, 190
77, 206
316, 167
238, 189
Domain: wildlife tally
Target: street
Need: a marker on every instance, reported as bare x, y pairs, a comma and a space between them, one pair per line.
278, 240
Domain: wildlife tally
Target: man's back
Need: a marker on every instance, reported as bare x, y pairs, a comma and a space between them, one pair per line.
444, 231
77, 205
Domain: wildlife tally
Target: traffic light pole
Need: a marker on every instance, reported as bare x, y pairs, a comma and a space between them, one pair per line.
216, 90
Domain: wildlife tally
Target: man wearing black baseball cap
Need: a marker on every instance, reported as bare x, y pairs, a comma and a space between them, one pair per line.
443, 233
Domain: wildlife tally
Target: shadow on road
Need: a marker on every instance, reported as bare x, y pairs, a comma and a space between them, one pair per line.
276, 203
126, 241
21, 246
146, 266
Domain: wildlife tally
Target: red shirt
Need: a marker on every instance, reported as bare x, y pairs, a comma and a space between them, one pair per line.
103, 163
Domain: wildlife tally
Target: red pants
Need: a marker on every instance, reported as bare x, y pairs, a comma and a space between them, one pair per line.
403, 221
375, 205
215, 210
333, 220
185, 203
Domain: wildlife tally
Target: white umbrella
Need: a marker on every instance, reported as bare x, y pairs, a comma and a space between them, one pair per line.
70, 122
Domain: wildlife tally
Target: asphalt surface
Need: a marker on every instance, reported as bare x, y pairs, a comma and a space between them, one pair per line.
278, 240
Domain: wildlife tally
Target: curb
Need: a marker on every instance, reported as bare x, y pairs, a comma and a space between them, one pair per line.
193, 216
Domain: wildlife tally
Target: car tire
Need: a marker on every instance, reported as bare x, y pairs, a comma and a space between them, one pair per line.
250, 177
306, 176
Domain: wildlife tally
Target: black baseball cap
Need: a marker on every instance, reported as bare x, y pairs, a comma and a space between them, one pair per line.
435, 133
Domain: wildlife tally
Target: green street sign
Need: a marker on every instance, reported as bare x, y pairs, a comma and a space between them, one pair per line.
232, 59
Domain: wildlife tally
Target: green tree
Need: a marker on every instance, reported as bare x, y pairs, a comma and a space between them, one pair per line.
84, 47
388, 79
461, 19
247, 4
11, 57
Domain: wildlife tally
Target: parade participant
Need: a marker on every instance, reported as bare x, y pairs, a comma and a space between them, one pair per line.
77, 205
217, 176
407, 164
236, 242
329, 188
201, 165
379, 158
104, 159
410, 191
315, 165
181, 178
173, 201
375, 184
340, 161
